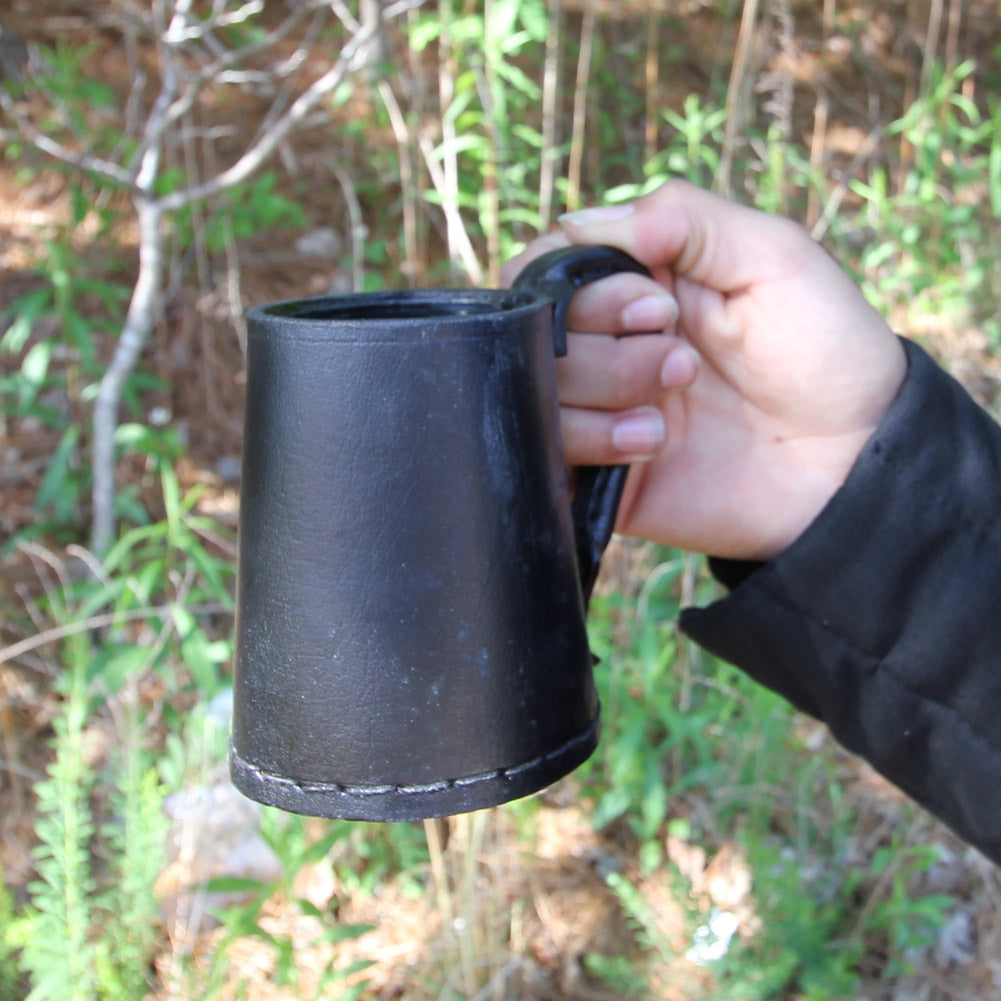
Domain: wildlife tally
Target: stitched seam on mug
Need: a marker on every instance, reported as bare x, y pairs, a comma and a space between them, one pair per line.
419, 789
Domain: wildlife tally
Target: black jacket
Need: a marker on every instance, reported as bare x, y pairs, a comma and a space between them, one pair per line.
884, 618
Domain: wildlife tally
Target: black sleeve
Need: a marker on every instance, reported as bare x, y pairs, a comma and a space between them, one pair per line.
884, 618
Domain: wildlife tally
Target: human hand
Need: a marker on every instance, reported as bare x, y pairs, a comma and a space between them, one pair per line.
750, 409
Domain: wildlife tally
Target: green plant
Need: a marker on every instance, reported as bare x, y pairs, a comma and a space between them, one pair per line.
368, 857
156, 603
57, 949
135, 846
298, 847
56, 331
62, 112
9, 967
296, 850
245, 210
673, 723
608, 132
485, 168
782, 179
910, 921
619, 973
681, 728
814, 936
692, 148
802, 906
90, 931
87, 936
642, 917
53, 332
937, 247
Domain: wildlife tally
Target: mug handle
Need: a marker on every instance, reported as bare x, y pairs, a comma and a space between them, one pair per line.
556, 275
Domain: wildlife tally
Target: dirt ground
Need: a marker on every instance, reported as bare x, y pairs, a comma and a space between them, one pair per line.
553, 892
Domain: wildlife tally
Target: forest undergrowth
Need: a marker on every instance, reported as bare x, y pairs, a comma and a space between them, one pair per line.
167, 165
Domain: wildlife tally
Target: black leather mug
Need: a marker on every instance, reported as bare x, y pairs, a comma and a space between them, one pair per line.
413, 578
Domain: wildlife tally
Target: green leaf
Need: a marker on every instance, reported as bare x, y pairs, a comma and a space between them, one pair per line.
467, 29
528, 135
524, 216
503, 16
115, 669
346, 933
131, 434
57, 482
171, 502
520, 80
34, 369
238, 884
200, 658
424, 32
535, 18
27, 310
460, 144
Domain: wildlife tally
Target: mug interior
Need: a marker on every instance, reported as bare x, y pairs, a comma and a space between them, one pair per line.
409, 304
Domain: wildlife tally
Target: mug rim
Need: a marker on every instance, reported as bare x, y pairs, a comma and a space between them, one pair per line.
400, 306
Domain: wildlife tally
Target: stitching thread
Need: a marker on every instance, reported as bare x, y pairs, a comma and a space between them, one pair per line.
420, 789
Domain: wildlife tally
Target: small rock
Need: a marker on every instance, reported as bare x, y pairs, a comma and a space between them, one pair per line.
228, 468
711, 941
215, 833
956, 944
320, 242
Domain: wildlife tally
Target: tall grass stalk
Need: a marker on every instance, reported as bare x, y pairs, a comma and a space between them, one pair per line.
578, 132
135, 841
55, 935
476, 928
737, 94
551, 157
90, 933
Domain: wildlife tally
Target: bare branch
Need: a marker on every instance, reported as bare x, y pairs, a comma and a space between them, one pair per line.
284, 68
179, 34
107, 169
139, 320
285, 95
268, 142
359, 231
344, 15
401, 7
149, 159
458, 237
101, 621
215, 70
132, 113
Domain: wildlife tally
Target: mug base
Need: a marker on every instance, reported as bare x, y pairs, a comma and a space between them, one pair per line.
396, 803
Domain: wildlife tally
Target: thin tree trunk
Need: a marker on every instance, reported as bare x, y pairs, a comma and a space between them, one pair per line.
550, 92
578, 136
139, 322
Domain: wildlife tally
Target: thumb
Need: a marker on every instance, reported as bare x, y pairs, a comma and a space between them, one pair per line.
694, 233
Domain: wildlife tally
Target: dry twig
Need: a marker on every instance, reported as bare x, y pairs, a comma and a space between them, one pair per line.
182, 41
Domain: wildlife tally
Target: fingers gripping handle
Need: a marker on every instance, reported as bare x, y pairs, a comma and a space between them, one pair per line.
558, 274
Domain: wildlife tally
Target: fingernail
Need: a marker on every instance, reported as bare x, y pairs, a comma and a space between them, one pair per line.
680, 367
651, 312
639, 433
601, 213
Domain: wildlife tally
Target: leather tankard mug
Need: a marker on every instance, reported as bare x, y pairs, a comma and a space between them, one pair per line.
413, 577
